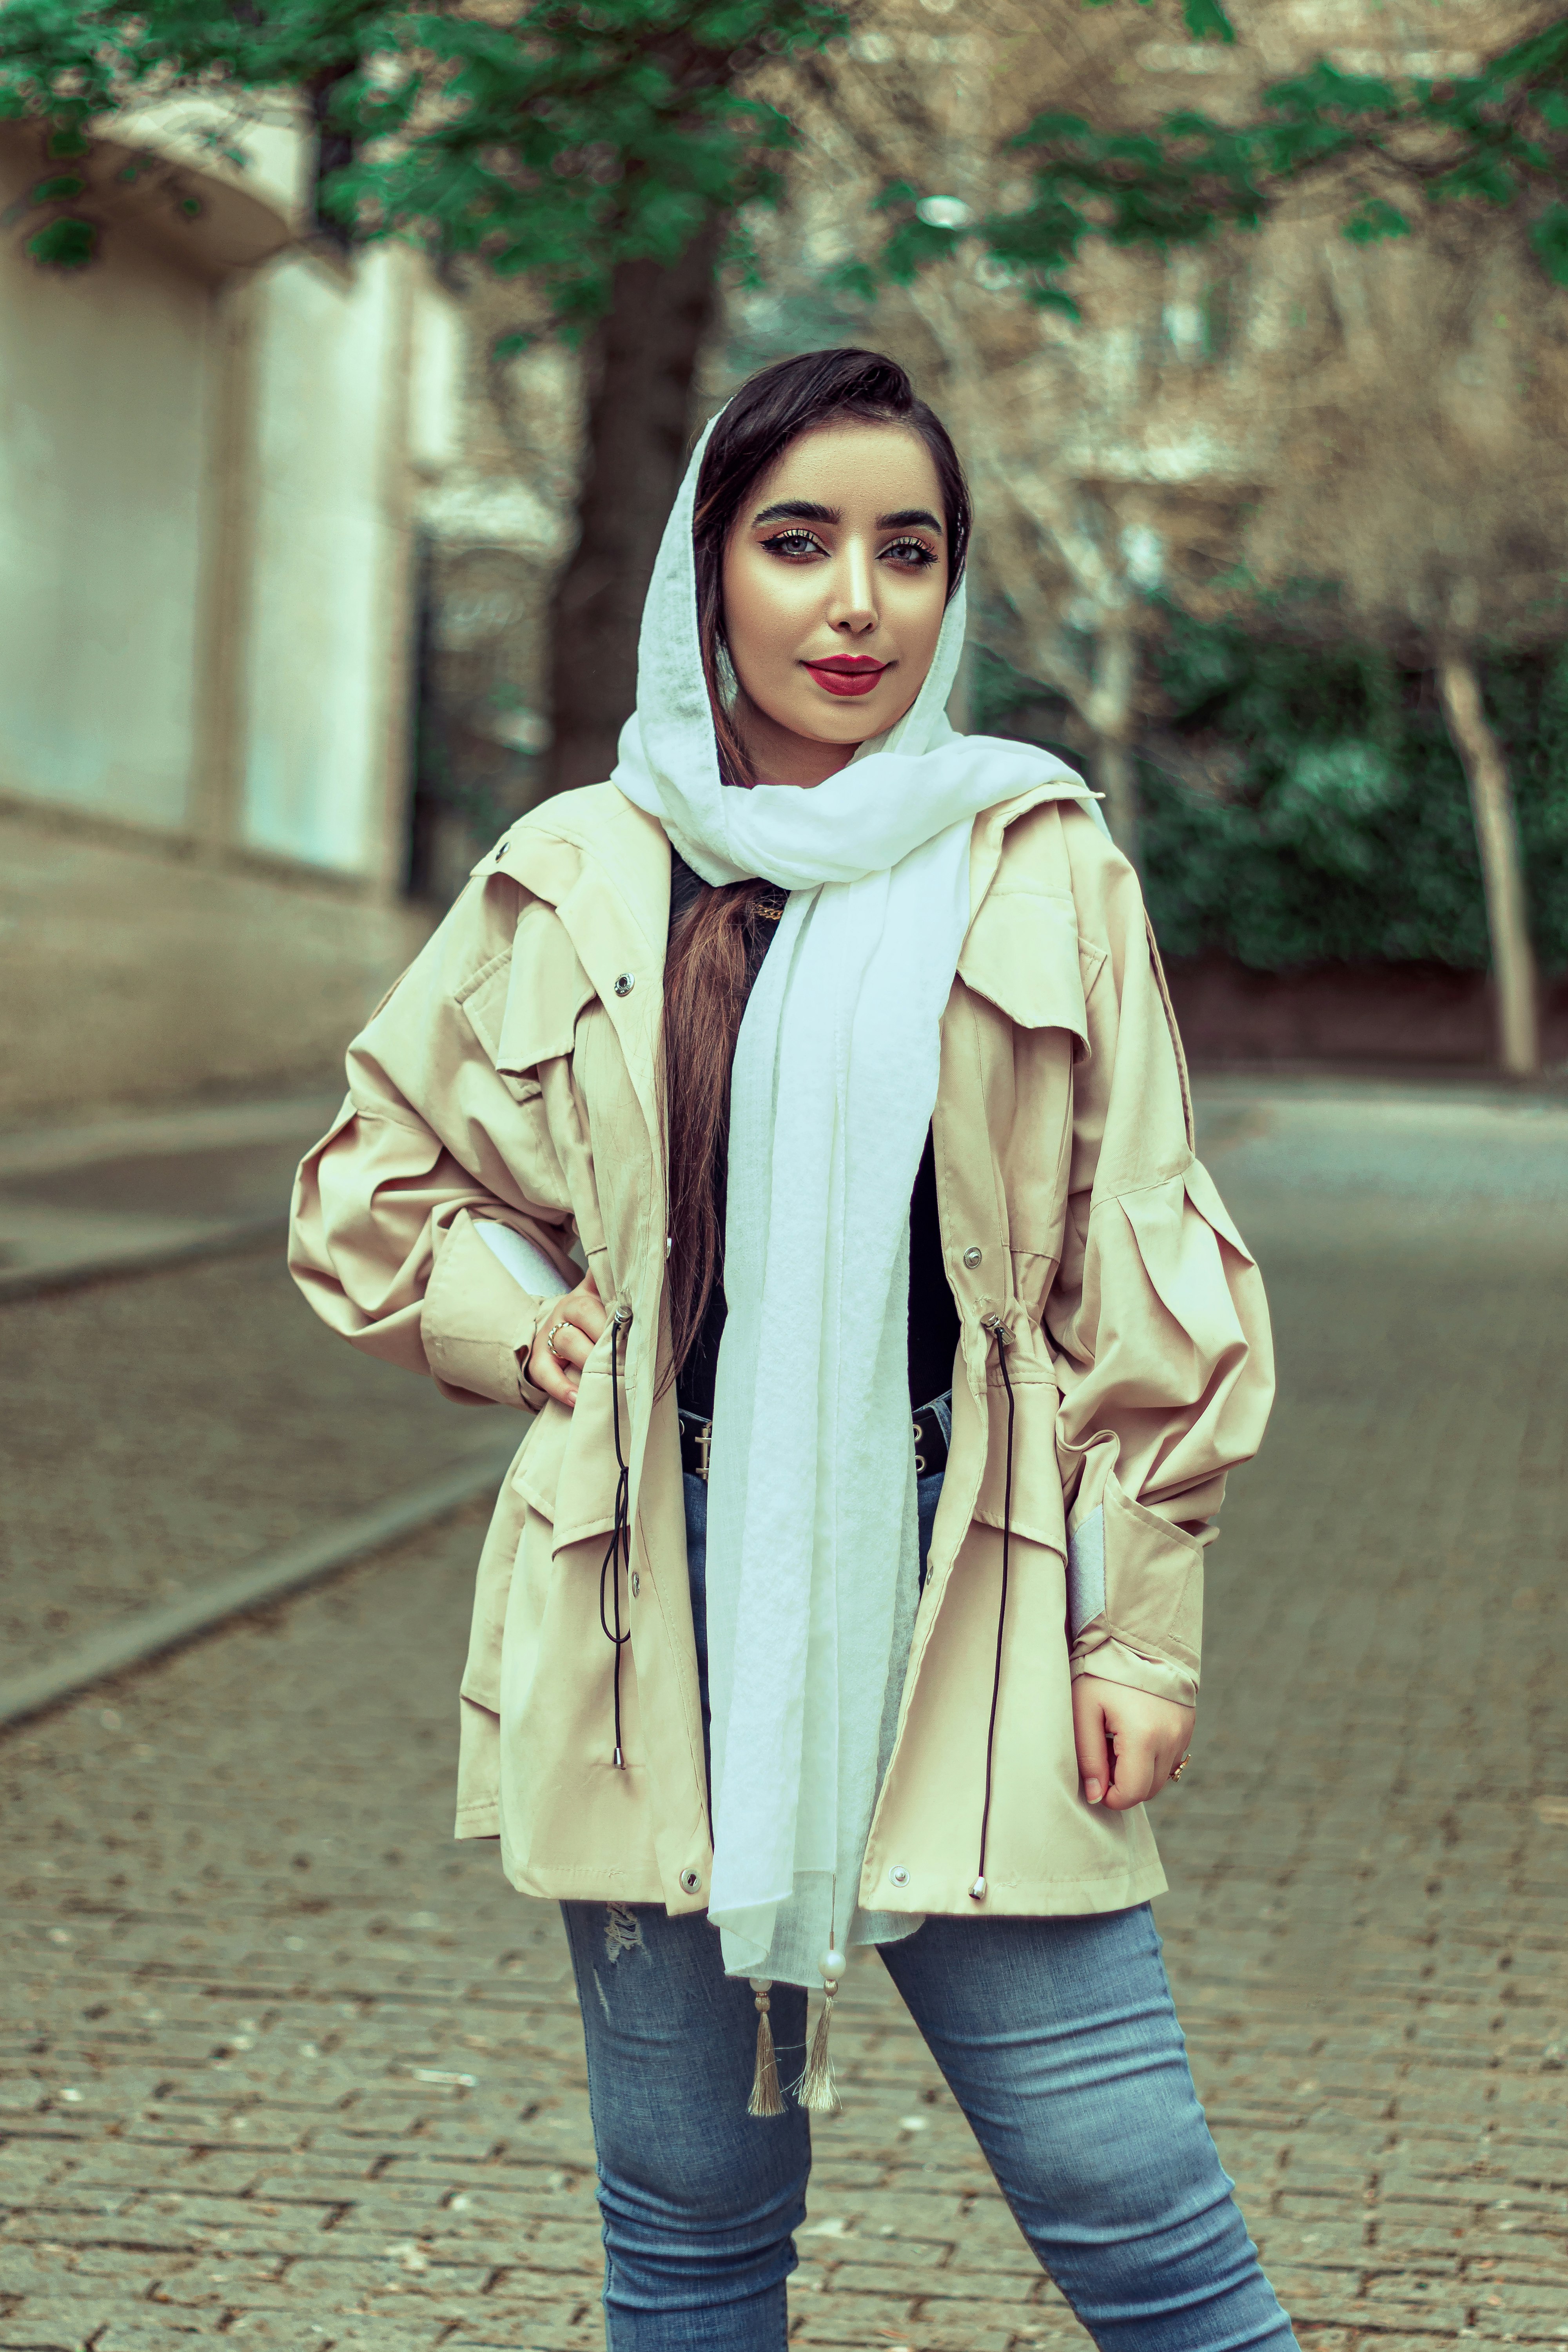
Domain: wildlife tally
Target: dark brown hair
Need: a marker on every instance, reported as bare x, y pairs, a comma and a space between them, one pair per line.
705, 974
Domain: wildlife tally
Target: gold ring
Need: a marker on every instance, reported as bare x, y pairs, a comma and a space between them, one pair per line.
1182, 1767
550, 1336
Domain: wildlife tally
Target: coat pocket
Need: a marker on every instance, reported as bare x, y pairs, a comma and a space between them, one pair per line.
567, 1472
1038, 1509
493, 1591
544, 991
1023, 954
536, 1474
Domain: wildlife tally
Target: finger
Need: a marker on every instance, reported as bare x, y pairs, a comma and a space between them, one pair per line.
592, 1319
547, 1374
548, 1367
570, 1342
1088, 1737
1166, 1762
1135, 1781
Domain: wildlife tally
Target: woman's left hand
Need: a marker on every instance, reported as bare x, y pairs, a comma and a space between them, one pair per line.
1129, 1742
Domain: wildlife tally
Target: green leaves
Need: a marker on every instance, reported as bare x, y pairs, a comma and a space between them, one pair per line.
553, 138
1206, 21
561, 140
1549, 242
1314, 810
1374, 219
66, 243
568, 141
1498, 137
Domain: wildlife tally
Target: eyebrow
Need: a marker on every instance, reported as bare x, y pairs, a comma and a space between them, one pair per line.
806, 511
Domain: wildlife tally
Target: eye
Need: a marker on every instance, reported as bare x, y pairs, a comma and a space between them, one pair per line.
912, 551
793, 544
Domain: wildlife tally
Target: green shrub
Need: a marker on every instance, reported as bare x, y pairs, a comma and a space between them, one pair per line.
1303, 804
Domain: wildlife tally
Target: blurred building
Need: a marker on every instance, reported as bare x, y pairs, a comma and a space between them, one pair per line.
214, 445
494, 528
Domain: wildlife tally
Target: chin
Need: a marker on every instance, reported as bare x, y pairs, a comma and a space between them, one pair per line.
854, 722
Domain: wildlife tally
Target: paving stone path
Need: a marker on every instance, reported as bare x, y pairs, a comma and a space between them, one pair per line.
284, 2064
157, 1432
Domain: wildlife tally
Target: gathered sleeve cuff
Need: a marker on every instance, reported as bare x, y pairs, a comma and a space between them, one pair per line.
384, 1244
1166, 1381
1158, 1325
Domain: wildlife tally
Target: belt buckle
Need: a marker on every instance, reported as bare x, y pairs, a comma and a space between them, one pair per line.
699, 1434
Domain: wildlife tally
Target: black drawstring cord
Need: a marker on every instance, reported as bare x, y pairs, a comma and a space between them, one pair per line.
977, 1892
620, 1537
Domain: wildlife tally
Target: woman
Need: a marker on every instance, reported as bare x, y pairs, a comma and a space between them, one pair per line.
796, 1126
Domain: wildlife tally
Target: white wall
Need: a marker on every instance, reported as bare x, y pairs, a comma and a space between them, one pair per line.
106, 382
324, 658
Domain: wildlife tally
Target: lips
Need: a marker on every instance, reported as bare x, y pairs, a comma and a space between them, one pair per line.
847, 674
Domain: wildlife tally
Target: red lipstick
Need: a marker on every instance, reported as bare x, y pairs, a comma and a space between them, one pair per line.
847, 674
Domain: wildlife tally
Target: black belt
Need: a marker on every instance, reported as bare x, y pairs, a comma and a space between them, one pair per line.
931, 1445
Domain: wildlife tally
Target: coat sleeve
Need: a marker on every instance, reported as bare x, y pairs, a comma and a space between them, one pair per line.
1157, 1319
431, 1141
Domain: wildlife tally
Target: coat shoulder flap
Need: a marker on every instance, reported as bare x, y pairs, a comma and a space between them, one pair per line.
1023, 954
523, 1004
1023, 951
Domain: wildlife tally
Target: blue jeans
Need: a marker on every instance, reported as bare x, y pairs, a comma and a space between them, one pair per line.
1056, 2037
928, 1494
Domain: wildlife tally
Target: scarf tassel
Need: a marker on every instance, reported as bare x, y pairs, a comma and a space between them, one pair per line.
815, 2090
766, 2098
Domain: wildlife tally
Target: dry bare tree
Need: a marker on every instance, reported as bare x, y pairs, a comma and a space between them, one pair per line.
1376, 416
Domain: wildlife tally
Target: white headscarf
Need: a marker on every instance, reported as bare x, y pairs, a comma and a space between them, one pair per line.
812, 1540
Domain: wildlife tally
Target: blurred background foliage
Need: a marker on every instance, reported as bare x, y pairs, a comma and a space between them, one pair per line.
1251, 324
1302, 803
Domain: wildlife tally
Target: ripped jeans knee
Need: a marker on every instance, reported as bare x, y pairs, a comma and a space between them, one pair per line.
622, 1931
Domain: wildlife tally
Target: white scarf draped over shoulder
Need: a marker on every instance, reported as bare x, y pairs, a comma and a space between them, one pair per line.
811, 1543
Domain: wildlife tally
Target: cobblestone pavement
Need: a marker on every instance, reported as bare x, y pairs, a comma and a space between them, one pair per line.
159, 1430
137, 1190
286, 2066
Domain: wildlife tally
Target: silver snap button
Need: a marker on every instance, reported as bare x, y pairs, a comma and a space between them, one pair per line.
637, 1584
691, 1881
899, 1875
972, 1256
625, 983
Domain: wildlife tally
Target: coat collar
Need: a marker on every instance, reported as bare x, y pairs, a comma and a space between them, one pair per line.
609, 832
604, 864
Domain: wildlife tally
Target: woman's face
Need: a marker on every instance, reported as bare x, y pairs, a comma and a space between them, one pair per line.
835, 584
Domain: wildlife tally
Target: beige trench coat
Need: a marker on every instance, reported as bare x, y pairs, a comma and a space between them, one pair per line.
513, 1074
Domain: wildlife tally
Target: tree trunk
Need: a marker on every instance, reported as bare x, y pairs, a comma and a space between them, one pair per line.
1109, 713
1502, 871
1115, 775
642, 357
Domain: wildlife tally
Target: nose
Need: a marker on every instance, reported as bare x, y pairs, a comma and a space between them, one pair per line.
852, 606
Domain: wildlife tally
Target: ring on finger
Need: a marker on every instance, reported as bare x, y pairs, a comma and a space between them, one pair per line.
564, 1324
1182, 1766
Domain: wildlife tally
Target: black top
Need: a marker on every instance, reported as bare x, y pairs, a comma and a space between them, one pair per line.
934, 1317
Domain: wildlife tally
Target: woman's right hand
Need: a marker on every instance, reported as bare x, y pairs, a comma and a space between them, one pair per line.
574, 1322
